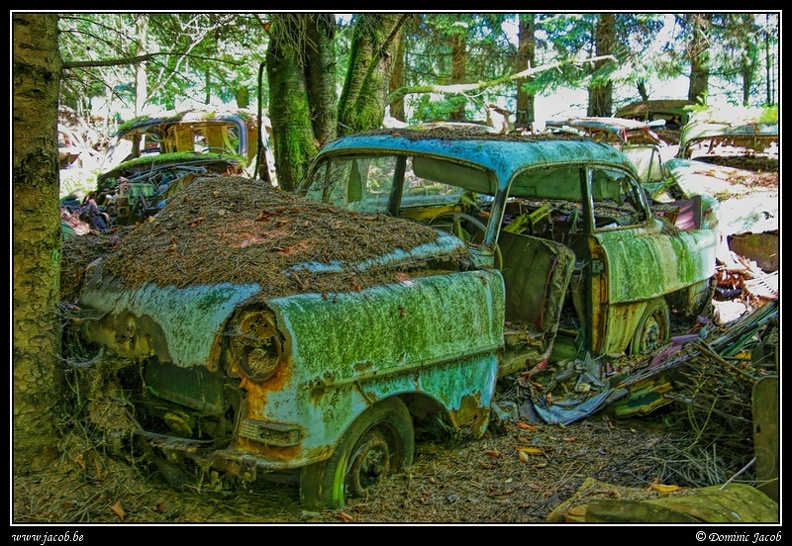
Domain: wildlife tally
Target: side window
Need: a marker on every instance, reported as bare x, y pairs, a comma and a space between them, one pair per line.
423, 189
361, 184
618, 200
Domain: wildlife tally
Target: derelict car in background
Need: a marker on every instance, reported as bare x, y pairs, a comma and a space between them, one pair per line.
154, 156
730, 157
638, 140
673, 112
269, 334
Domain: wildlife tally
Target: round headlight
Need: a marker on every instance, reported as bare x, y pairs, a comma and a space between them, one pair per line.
255, 345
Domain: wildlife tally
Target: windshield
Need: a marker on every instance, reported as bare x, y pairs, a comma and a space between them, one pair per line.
366, 184
219, 137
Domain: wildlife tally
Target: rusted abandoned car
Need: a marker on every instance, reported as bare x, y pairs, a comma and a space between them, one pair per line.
154, 156
674, 112
638, 140
311, 335
264, 334
564, 219
730, 157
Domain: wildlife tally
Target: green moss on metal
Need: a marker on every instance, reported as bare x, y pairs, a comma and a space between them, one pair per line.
181, 157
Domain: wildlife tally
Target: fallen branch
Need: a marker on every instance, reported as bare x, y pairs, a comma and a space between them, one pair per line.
456, 89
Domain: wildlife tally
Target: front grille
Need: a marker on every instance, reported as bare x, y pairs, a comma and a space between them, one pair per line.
196, 388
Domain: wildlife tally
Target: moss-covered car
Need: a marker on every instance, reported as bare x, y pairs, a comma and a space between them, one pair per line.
729, 157
263, 334
154, 156
638, 140
267, 334
563, 218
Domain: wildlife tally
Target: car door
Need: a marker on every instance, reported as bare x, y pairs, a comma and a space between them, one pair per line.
623, 268
636, 261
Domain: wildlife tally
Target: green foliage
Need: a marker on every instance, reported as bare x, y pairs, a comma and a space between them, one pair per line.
489, 55
769, 114
194, 58
212, 58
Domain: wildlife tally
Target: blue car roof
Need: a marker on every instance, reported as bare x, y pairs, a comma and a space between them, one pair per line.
502, 154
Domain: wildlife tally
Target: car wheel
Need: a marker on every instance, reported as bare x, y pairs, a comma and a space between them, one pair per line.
380, 442
653, 328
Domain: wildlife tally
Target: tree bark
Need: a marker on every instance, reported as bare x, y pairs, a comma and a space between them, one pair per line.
525, 58
141, 81
396, 81
37, 381
320, 70
375, 43
601, 93
290, 111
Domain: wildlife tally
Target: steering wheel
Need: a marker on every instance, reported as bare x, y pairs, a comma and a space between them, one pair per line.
466, 227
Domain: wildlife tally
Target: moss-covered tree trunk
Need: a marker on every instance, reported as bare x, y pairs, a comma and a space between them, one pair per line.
375, 44
396, 82
601, 90
36, 240
290, 110
320, 73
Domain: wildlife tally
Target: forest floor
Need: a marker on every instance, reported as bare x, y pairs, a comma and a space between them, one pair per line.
461, 480
518, 472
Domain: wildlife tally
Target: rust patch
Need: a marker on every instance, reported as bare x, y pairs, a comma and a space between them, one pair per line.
472, 413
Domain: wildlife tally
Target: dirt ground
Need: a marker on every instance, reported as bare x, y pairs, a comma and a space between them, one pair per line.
517, 473
461, 480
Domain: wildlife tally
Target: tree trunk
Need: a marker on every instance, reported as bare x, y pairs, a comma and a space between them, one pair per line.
320, 70
396, 82
458, 73
289, 110
642, 92
141, 81
37, 382
698, 51
601, 93
525, 116
770, 81
375, 42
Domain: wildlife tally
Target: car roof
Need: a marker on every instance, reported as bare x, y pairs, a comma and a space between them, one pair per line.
182, 116
643, 107
502, 154
741, 125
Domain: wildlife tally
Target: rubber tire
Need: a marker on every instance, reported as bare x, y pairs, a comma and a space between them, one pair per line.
653, 329
381, 441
